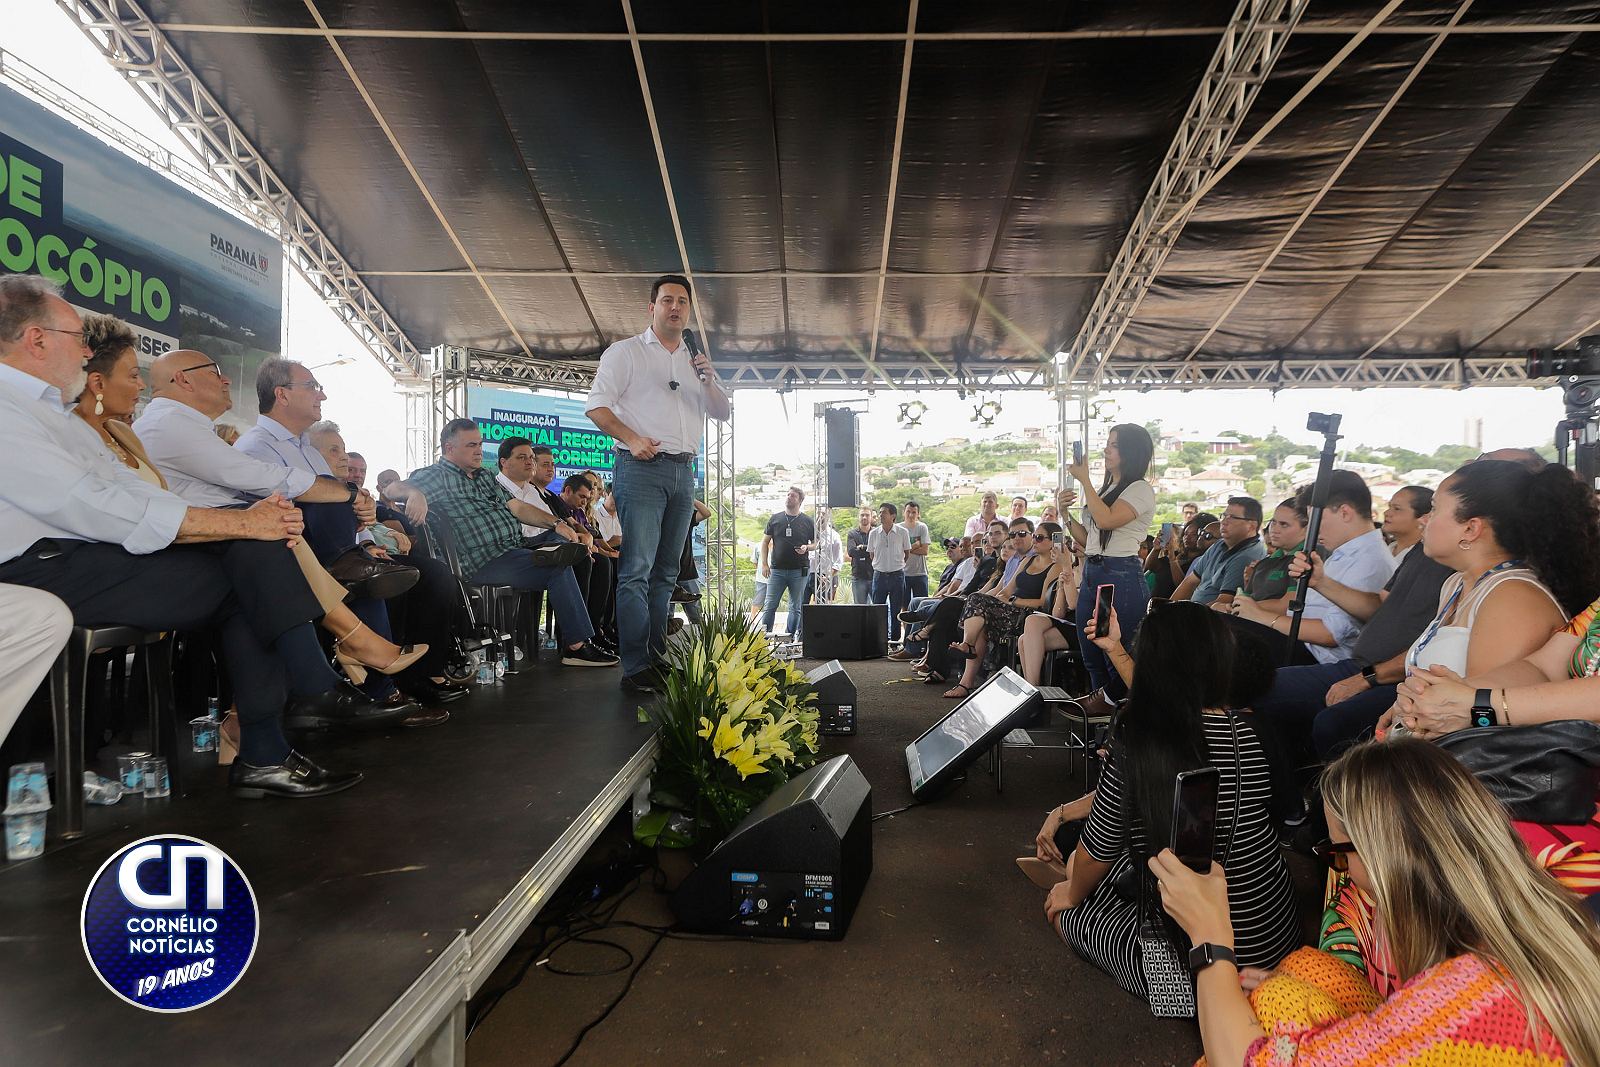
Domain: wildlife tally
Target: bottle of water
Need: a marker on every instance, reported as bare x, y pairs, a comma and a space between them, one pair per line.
214, 709
100, 790
501, 664
485, 667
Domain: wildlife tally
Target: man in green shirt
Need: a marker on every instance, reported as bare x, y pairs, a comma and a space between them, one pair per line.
486, 522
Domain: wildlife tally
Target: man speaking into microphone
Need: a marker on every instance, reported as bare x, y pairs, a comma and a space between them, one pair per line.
652, 393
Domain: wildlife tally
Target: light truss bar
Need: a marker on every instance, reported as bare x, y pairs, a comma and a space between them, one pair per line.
141, 53
720, 588
1244, 58
1198, 270
1420, 373
1321, 27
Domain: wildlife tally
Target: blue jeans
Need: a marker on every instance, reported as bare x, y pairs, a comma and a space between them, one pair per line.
655, 501
861, 590
517, 569
922, 607
916, 585
889, 587
795, 582
1131, 600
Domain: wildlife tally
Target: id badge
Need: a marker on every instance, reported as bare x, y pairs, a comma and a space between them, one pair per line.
788, 531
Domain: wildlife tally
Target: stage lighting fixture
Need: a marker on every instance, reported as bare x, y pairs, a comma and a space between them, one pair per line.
986, 412
911, 413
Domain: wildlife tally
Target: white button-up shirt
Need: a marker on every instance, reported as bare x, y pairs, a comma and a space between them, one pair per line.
528, 494
1362, 563
203, 469
271, 442
58, 480
635, 382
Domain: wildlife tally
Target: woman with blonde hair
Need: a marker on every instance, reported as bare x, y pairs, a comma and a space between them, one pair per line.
1495, 962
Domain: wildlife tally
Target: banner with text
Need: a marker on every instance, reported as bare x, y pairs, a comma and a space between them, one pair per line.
122, 239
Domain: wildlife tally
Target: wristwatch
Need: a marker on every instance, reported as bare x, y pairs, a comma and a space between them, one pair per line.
1483, 709
355, 491
1203, 956
1370, 673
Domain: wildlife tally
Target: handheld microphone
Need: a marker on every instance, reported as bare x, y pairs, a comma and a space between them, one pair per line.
694, 349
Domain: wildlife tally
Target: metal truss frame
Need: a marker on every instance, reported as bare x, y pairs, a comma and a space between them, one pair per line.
140, 51
720, 585
1249, 49
1441, 372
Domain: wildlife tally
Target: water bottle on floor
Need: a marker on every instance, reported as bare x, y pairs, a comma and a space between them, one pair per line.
485, 667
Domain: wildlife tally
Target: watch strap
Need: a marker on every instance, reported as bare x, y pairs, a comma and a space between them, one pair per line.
1204, 955
1483, 708
1370, 673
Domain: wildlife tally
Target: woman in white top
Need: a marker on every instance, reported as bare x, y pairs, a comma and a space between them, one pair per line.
1508, 535
1116, 518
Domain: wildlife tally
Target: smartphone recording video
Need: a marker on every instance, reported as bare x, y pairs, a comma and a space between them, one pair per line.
1102, 609
1194, 817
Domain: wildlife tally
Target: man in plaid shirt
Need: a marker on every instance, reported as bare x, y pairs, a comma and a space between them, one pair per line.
486, 522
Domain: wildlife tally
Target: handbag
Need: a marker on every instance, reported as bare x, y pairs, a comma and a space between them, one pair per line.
1162, 959
1548, 773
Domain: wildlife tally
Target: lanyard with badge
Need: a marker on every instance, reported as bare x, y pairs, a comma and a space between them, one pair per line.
1414, 656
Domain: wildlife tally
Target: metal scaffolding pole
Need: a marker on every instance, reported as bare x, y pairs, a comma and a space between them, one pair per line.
720, 589
1248, 51
139, 50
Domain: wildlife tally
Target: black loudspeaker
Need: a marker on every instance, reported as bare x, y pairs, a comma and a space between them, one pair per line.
836, 698
973, 727
845, 631
844, 467
796, 866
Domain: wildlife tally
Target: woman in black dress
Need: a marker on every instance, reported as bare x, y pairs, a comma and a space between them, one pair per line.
988, 619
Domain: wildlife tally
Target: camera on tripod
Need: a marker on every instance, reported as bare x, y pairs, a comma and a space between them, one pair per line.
1578, 367
1317, 422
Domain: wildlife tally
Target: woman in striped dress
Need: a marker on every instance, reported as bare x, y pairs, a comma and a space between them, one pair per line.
1174, 721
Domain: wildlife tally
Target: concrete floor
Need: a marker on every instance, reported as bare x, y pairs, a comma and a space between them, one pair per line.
948, 959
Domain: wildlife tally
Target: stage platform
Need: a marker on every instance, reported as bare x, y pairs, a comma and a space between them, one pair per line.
382, 908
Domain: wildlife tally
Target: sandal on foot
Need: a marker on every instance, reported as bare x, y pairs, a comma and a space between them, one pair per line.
962, 649
951, 694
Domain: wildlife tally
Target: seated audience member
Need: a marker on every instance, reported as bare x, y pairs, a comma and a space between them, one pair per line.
987, 620
34, 627
920, 610
78, 522
1492, 961
1050, 514
1053, 628
486, 522
395, 520
424, 613
1357, 559
1020, 534
979, 523
888, 545
1404, 517
1523, 549
944, 626
386, 477
174, 434
1175, 719
1267, 581
606, 528
518, 465
1220, 569
1171, 560
1528, 457
1190, 511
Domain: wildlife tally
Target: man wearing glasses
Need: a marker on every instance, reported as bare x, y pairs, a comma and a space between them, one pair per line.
1220, 568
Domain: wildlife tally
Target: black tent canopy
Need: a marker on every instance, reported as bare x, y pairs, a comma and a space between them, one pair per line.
923, 183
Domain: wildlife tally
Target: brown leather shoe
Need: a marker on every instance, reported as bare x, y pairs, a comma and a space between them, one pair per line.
375, 579
426, 717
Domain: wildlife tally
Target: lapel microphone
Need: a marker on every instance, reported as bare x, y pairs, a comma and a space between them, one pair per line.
694, 349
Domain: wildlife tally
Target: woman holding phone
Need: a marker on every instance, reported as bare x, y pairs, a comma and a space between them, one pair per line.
1115, 519
1175, 720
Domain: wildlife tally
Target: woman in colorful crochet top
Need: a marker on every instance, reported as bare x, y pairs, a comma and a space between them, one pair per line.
1497, 964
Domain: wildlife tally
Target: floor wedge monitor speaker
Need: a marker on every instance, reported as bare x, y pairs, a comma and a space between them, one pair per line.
796, 866
976, 725
836, 698
845, 631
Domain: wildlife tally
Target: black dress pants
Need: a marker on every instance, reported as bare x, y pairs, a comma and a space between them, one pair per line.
252, 592
944, 630
426, 614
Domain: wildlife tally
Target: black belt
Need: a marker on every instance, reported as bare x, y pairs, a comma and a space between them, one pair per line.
675, 457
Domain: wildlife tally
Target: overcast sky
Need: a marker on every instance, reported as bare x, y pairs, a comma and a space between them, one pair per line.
773, 428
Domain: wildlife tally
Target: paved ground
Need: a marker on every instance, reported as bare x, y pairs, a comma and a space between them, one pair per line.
948, 960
